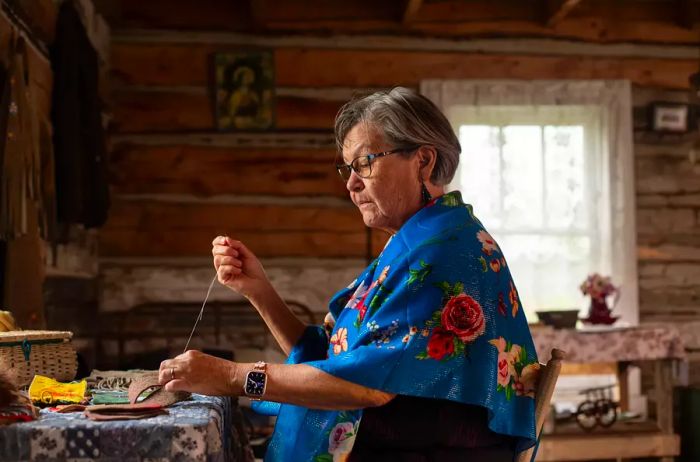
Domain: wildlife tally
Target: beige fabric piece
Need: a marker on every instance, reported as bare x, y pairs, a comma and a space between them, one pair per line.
69, 408
123, 411
149, 381
112, 380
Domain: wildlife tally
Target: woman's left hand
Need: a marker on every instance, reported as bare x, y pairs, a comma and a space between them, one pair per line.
197, 372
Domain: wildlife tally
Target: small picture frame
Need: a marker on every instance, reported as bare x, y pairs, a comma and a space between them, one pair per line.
670, 117
244, 90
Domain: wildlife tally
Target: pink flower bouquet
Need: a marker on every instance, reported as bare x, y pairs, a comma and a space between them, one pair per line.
598, 287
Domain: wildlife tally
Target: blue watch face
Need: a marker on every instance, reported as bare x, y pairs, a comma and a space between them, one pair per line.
255, 383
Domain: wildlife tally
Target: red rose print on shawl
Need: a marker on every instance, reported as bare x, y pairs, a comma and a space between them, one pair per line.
464, 317
441, 344
459, 323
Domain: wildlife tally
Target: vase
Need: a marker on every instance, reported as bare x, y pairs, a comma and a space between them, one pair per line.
599, 312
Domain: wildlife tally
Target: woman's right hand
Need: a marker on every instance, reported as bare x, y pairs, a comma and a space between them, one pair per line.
237, 267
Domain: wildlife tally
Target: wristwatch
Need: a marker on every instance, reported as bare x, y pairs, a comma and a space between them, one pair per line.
256, 381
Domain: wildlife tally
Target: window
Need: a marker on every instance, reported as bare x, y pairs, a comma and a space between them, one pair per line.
530, 174
548, 167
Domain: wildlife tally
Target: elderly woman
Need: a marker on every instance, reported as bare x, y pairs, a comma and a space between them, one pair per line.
429, 356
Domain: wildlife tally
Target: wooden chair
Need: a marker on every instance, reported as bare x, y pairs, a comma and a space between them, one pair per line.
545, 388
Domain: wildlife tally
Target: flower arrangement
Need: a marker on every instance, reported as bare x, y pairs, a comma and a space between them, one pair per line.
598, 287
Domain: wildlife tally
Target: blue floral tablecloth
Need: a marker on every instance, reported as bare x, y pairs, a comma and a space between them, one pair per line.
203, 428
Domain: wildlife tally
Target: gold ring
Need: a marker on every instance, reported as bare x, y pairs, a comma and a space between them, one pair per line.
172, 373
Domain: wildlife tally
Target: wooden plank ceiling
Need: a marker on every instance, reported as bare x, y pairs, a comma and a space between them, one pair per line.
648, 21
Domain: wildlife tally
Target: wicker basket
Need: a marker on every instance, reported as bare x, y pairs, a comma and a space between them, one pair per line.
26, 353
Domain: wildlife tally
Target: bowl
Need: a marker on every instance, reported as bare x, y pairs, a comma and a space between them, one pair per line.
559, 319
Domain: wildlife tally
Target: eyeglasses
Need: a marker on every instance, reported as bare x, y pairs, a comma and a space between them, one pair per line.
362, 165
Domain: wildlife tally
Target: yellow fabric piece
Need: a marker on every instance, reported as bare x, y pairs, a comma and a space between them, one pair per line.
47, 390
7, 322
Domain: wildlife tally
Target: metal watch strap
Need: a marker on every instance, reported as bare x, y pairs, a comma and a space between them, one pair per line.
260, 366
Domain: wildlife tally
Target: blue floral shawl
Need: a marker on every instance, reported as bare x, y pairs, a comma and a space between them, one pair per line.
436, 315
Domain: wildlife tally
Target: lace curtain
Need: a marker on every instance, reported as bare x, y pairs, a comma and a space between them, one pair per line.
548, 167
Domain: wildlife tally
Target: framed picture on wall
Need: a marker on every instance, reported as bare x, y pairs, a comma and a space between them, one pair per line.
244, 90
670, 117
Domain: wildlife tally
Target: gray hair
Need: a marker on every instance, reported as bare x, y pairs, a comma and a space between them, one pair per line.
406, 118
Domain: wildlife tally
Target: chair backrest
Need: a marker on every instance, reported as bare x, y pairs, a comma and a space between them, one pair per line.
545, 388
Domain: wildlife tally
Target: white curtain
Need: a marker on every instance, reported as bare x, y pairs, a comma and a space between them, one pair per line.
561, 110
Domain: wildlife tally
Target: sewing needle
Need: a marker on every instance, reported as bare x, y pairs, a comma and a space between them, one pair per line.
201, 312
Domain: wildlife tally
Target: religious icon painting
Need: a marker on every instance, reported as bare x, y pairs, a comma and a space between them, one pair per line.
244, 90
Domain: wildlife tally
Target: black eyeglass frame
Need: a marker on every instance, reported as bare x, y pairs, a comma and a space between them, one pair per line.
370, 157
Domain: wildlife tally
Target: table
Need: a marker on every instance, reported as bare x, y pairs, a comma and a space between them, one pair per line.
208, 429
659, 343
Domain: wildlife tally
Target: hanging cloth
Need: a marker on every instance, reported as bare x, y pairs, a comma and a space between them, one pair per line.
21, 194
20, 161
82, 192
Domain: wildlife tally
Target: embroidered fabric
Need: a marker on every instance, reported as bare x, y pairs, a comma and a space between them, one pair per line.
112, 380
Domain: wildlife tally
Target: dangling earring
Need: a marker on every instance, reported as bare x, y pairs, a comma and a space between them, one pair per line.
425, 194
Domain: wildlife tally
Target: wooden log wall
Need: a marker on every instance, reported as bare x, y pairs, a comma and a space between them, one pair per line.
35, 20
39, 67
177, 183
668, 219
61, 278
22, 268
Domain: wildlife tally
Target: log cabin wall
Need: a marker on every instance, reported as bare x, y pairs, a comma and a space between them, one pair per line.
177, 182
22, 266
73, 262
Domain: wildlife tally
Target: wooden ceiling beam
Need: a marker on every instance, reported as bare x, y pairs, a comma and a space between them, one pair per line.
257, 17
597, 21
685, 14
558, 10
410, 11
177, 65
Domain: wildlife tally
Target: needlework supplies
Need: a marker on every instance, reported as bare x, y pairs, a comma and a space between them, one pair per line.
201, 312
49, 391
24, 354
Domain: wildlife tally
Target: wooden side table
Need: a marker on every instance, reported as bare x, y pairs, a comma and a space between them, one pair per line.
655, 343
